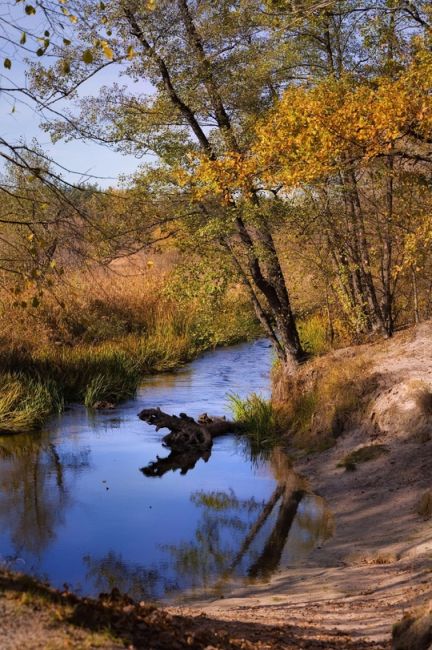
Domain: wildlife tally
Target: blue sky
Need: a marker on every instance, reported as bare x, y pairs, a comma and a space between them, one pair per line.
82, 157
24, 122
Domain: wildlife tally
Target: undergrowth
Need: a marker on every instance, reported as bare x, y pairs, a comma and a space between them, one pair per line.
362, 455
261, 421
94, 347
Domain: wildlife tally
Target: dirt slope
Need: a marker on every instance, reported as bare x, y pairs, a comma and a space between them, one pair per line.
378, 564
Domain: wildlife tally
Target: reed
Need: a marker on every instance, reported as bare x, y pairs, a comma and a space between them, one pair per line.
261, 421
93, 339
25, 401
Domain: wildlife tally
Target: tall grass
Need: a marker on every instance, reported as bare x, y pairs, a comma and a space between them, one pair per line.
94, 338
261, 421
25, 402
323, 398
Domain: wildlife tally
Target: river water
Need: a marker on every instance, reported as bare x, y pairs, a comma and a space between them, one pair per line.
77, 509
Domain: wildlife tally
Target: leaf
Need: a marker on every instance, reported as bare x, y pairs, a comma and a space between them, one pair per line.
29, 9
131, 52
66, 41
65, 66
87, 56
107, 50
40, 51
73, 19
23, 38
7, 63
35, 302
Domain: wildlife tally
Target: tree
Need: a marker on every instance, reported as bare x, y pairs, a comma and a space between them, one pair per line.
195, 56
215, 70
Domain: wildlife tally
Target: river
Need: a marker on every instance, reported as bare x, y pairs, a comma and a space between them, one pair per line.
76, 508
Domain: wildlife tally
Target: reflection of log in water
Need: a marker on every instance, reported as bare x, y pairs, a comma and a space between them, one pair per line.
272, 552
182, 461
189, 440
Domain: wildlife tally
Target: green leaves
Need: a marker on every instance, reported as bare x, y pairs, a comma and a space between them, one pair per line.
7, 63
30, 10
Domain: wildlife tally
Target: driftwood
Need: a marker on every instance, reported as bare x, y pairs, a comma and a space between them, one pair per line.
187, 434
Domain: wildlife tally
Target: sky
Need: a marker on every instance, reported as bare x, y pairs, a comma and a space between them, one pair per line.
23, 122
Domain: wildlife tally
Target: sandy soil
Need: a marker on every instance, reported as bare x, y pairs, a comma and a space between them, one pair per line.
348, 593
378, 564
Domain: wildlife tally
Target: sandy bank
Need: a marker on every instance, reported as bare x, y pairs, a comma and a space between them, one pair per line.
378, 563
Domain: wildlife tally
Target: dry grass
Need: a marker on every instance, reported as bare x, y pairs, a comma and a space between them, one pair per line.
324, 398
372, 559
362, 455
93, 337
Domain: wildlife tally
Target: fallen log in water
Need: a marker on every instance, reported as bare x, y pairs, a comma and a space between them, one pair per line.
185, 432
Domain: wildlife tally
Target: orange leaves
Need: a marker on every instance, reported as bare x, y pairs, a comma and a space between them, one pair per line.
315, 131
222, 177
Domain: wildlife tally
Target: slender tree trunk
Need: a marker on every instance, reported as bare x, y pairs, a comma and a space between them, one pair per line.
387, 307
415, 295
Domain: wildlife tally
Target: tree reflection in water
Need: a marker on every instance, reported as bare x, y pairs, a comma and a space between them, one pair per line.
138, 582
243, 537
34, 492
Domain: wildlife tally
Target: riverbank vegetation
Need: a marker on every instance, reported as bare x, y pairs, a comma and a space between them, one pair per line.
306, 190
94, 337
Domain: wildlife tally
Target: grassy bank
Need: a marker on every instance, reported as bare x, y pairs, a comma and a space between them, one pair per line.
311, 409
92, 339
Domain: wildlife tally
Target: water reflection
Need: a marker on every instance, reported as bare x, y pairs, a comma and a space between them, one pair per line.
112, 571
75, 507
243, 537
34, 490
184, 461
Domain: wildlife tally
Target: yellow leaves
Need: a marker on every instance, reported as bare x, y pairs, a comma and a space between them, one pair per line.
107, 50
230, 173
130, 53
314, 132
